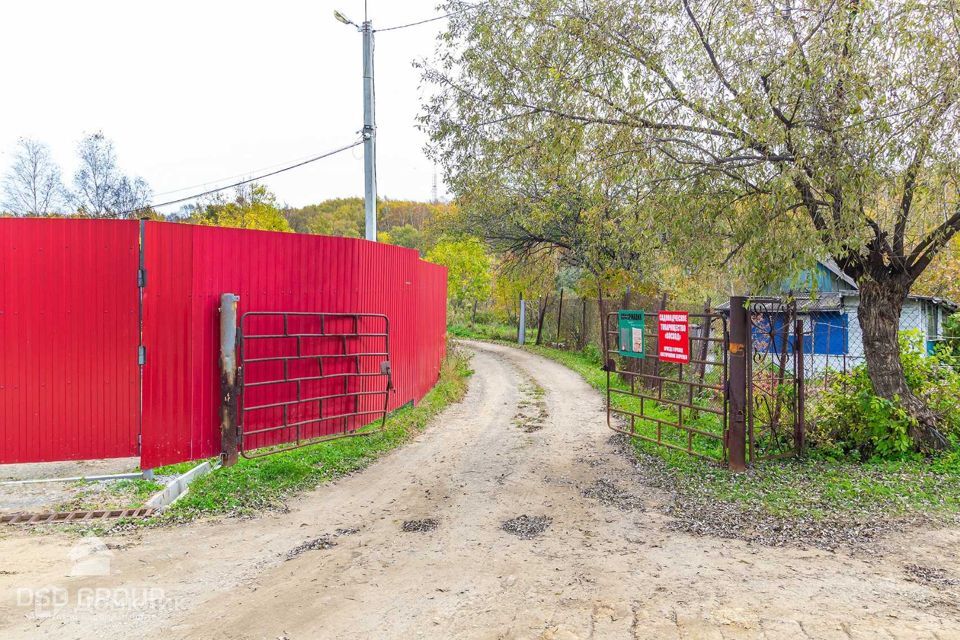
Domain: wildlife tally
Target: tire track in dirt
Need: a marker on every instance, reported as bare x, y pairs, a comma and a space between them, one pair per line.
605, 565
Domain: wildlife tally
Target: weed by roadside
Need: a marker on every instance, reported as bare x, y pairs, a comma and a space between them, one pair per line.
483, 331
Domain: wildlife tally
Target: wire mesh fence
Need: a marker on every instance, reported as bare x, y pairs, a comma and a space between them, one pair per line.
800, 347
833, 339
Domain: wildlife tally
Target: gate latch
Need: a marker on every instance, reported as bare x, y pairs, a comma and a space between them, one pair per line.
386, 370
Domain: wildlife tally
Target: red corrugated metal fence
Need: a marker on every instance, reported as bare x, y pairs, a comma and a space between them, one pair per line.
187, 268
69, 380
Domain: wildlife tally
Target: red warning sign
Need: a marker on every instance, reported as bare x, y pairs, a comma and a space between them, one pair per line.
673, 336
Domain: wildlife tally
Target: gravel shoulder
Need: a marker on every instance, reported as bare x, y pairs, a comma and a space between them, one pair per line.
44, 497
513, 516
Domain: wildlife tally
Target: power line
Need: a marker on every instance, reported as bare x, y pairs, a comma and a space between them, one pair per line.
233, 176
446, 15
241, 182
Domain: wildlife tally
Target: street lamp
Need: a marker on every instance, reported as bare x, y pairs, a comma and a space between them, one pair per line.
369, 128
344, 19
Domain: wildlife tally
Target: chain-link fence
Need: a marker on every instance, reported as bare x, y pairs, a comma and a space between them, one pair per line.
833, 340
575, 322
832, 343
798, 348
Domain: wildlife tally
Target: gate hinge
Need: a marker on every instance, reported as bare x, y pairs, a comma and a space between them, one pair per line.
142, 355
141, 277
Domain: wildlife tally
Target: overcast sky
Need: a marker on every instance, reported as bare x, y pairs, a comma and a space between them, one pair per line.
194, 91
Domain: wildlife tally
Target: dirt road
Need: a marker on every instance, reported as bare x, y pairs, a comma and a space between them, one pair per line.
416, 546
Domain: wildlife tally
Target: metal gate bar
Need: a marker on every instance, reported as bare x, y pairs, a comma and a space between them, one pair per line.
774, 380
285, 371
758, 400
648, 388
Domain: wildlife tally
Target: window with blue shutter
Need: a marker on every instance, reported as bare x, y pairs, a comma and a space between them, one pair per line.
830, 333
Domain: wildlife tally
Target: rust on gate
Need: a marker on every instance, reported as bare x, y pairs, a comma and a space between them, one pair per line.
681, 406
726, 385
311, 377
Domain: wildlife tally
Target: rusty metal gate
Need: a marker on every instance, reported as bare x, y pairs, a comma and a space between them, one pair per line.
775, 380
739, 398
678, 406
310, 377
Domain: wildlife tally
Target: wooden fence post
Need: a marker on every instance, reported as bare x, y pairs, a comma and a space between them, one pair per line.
559, 316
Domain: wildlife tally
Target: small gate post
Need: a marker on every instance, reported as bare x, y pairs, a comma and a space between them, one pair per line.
737, 384
228, 378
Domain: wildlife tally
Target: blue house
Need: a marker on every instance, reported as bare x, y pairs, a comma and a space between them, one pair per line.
827, 301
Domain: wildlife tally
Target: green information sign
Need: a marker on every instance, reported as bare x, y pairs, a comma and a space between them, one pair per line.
630, 331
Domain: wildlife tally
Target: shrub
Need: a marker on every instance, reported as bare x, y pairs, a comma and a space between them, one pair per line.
948, 349
852, 420
592, 352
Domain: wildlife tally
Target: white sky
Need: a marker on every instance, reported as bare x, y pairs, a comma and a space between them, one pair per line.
195, 91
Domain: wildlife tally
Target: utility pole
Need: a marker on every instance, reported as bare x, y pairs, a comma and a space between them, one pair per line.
369, 135
369, 131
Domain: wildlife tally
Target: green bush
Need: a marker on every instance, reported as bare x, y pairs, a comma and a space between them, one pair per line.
852, 420
503, 332
948, 349
592, 352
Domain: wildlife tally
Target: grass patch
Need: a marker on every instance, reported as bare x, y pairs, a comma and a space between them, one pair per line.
503, 332
265, 483
532, 408
815, 489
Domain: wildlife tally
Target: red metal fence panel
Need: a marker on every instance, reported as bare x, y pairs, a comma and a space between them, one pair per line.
69, 378
190, 266
71, 386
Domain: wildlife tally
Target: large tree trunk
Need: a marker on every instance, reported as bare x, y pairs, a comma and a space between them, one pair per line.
879, 316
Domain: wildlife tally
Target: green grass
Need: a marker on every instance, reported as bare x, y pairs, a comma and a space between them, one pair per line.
590, 370
502, 332
815, 487
265, 483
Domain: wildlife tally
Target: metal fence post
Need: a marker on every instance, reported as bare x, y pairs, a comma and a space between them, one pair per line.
737, 383
228, 378
799, 424
522, 329
704, 341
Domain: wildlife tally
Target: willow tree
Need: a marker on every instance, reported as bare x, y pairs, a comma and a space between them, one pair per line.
767, 132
